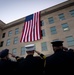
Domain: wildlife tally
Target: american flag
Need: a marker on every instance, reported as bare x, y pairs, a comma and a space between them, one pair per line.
31, 30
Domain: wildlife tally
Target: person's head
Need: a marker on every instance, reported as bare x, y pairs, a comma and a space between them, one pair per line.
4, 54
57, 45
30, 49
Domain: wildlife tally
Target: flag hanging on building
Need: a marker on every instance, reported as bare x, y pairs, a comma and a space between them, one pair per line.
31, 30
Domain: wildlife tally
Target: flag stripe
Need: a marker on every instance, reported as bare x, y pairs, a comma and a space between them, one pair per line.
30, 22
31, 30
36, 34
25, 31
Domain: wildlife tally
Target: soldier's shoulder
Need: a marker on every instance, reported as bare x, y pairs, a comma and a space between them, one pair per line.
37, 57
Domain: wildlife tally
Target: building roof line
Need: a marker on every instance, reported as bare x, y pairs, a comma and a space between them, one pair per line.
57, 7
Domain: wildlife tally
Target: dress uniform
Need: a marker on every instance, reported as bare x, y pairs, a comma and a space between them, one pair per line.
32, 64
7, 66
58, 62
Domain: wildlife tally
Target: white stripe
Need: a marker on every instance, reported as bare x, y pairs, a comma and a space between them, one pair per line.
38, 27
27, 30
30, 23
33, 29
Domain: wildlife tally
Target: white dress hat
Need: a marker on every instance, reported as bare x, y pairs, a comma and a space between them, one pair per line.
30, 47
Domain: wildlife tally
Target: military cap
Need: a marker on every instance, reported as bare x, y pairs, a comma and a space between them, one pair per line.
57, 43
4, 53
30, 47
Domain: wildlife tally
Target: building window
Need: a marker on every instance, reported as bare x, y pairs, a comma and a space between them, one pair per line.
42, 23
16, 30
61, 16
1, 43
43, 32
72, 13
15, 40
51, 20
10, 33
70, 40
44, 46
53, 30
65, 26
14, 51
3, 35
8, 42
22, 50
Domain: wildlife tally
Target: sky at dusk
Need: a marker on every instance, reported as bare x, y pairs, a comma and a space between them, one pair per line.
11, 10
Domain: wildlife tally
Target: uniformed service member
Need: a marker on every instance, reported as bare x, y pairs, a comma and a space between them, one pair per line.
7, 66
58, 62
32, 64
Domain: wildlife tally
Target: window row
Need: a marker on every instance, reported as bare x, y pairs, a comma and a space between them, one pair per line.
15, 41
61, 17
23, 50
53, 30
65, 27
10, 33
69, 39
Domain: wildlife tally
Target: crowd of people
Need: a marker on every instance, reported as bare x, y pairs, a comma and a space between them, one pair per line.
60, 62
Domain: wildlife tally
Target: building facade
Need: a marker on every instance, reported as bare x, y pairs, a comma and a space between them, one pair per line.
57, 23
